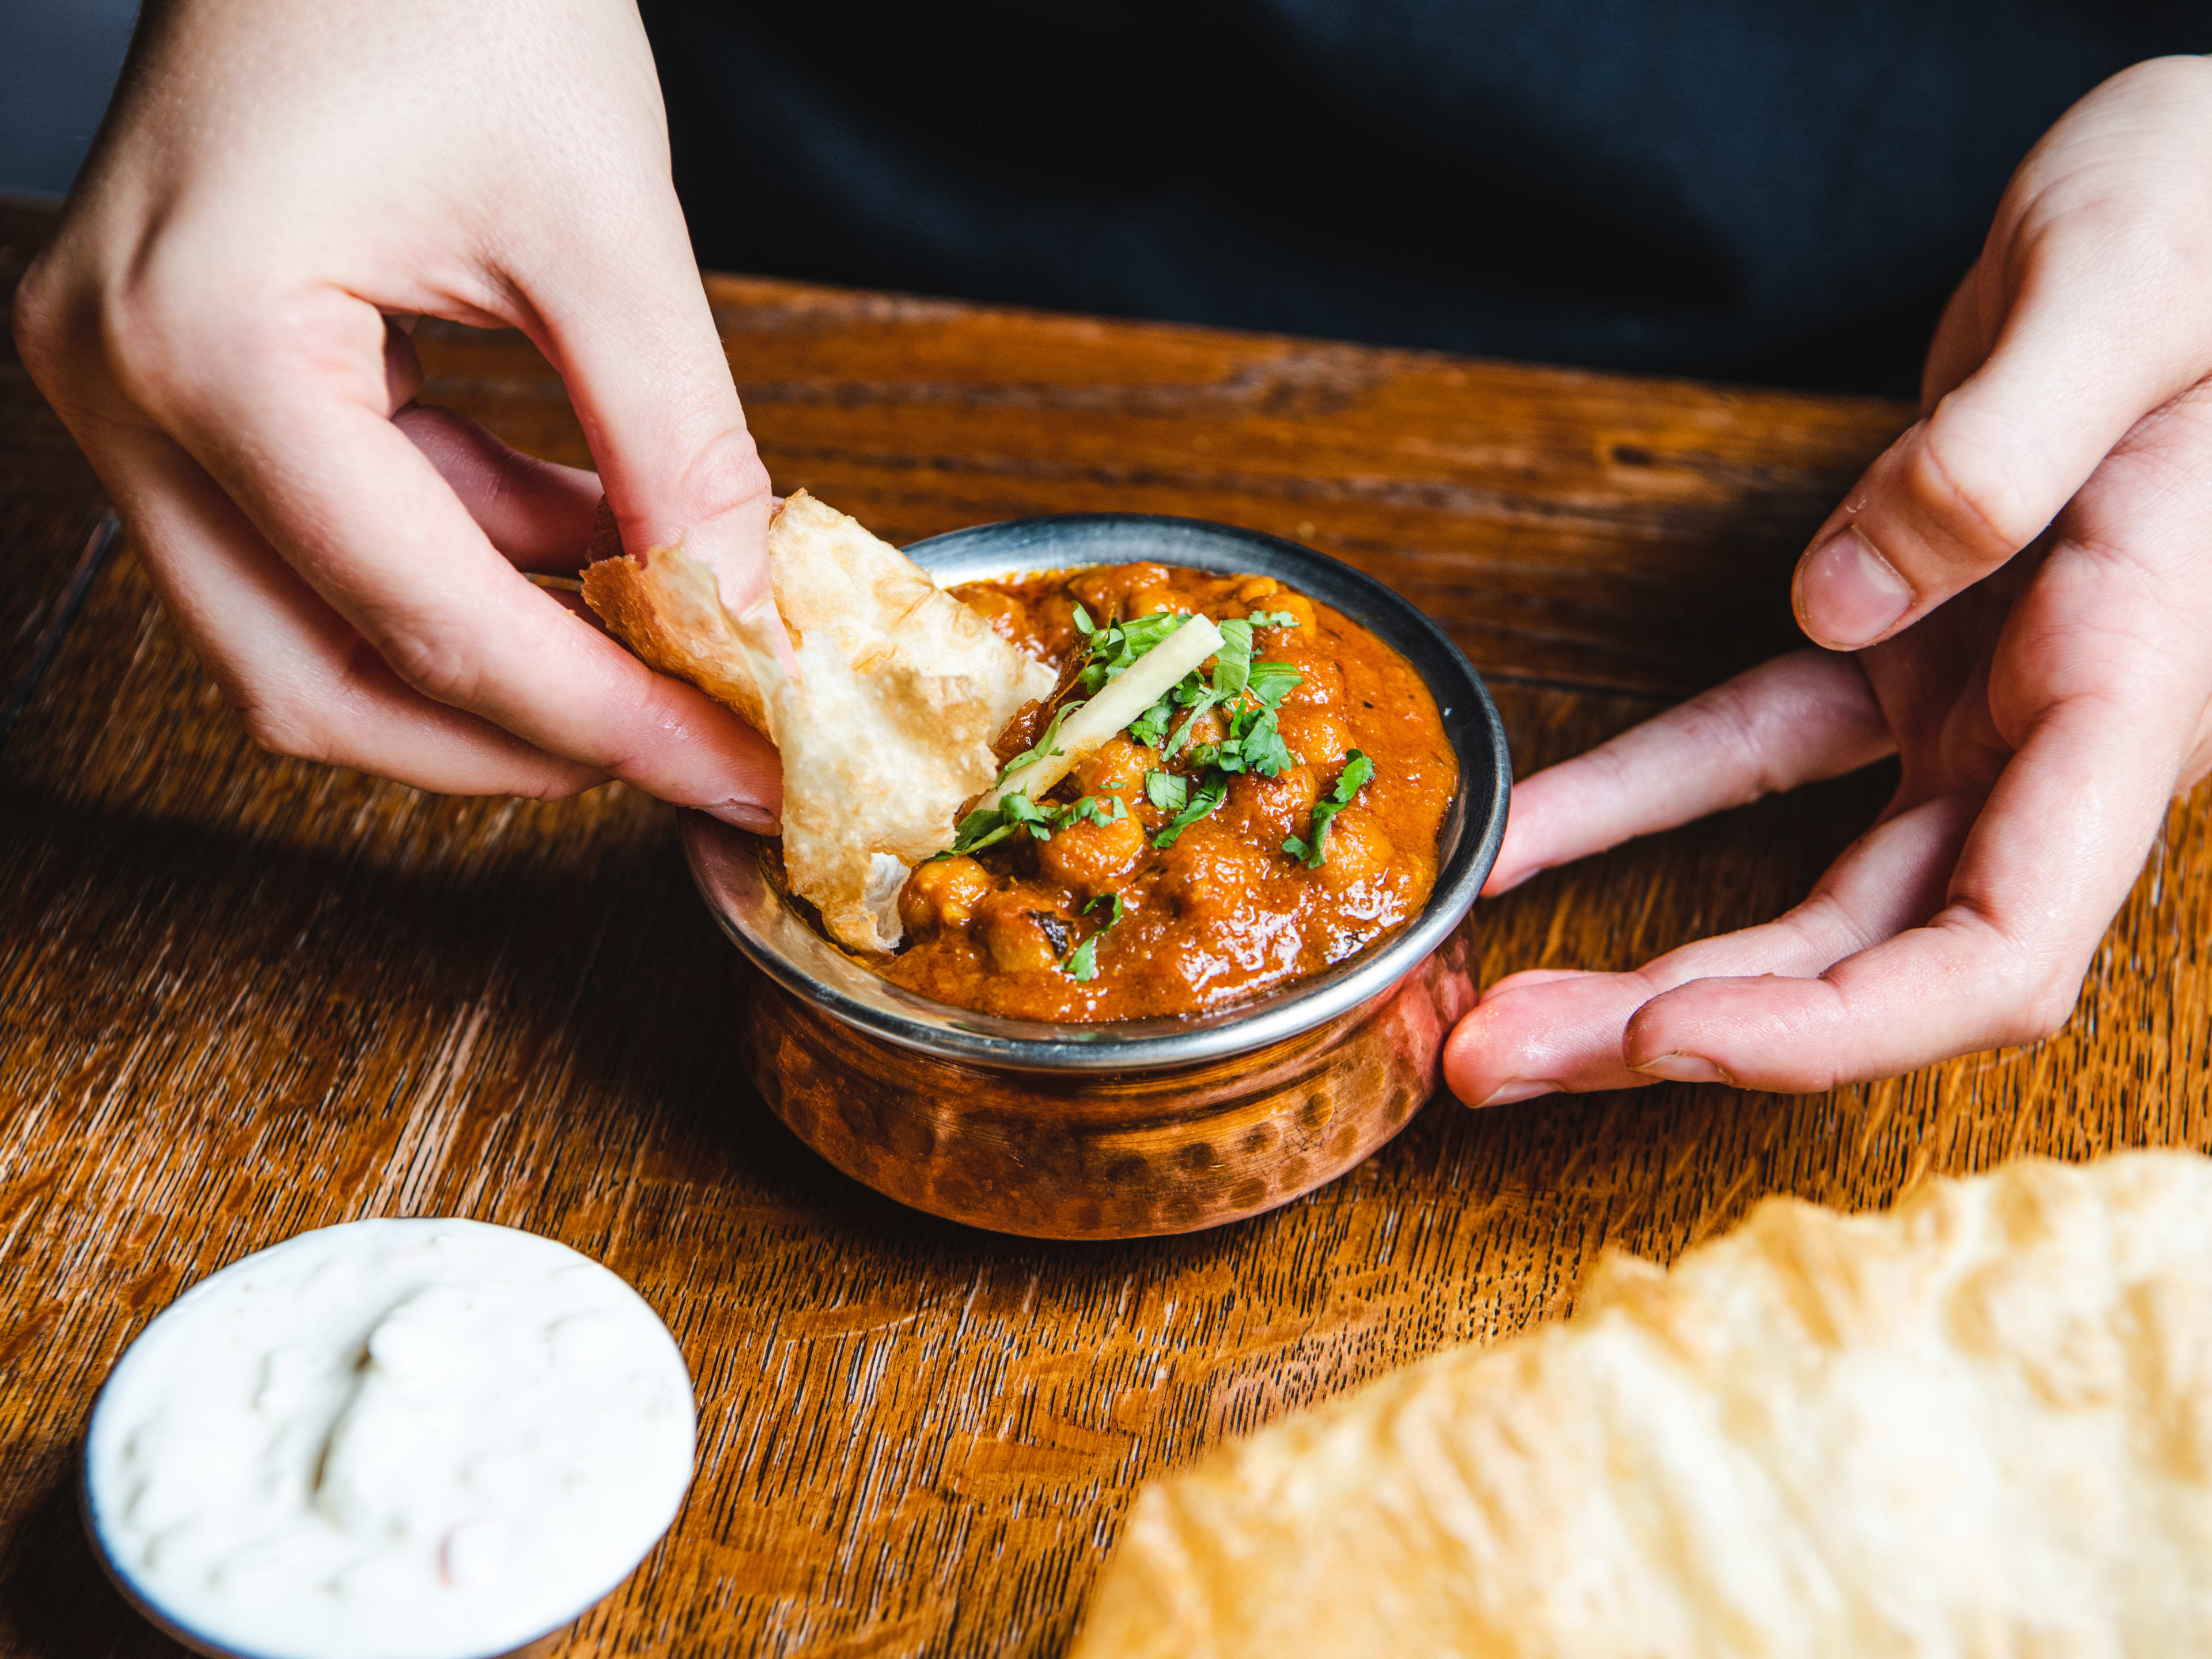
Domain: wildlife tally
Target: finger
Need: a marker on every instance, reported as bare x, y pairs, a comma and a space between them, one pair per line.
1798, 718
1539, 1032
2099, 327
634, 340
403, 366
538, 513
291, 425
2049, 859
305, 683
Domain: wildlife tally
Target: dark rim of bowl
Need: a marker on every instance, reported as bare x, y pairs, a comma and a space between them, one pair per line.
725, 862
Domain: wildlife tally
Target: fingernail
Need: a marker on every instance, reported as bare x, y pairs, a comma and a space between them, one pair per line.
745, 815
1684, 1068
1848, 594
1523, 1088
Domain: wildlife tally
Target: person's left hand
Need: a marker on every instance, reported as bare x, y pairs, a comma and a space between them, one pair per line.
2026, 579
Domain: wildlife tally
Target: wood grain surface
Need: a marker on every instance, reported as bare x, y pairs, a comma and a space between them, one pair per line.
241, 996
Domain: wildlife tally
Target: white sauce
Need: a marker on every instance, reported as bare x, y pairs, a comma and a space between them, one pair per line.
391, 1440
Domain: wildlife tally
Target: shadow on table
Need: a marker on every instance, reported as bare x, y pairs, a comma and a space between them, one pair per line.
55, 1602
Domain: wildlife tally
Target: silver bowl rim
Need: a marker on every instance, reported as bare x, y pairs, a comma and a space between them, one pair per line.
725, 862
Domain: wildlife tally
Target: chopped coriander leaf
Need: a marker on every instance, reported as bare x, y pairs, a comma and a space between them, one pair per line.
1093, 809
1082, 963
1115, 647
985, 827
1211, 792
1258, 745
1146, 631
1313, 850
1205, 702
1270, 682
1271, 619
1040, 821
1232, 663
1151, 726
1169, 790
1042, 747
988, 826
1083, 625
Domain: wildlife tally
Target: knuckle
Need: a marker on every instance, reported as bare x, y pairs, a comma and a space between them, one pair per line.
1966, 476
279, 727
726, 473
50, 327
38, 316
440, 661
189, 320
2041, 1007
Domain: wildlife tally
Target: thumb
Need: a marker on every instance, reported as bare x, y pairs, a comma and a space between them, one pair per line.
2086, 312
634, 338
1969, 486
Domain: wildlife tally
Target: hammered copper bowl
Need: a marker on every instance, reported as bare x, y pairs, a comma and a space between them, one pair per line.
1137, 1127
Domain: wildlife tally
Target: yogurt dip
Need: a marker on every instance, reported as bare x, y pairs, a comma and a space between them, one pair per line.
389, 1440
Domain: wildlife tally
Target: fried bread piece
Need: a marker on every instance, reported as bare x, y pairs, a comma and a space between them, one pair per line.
1980, 1423
887, 729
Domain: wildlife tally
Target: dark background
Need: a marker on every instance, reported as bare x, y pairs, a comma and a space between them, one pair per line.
1734, 188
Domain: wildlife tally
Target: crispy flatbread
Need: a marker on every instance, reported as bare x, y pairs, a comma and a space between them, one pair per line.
1979, 1425
888, 729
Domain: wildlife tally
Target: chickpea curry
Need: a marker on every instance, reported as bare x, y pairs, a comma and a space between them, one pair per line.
1275, 810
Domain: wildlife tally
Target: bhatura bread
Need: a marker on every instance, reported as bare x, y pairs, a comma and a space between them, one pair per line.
1979, 1425
886, 732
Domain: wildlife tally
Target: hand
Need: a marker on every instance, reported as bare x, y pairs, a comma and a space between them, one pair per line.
279, 190
2026, 580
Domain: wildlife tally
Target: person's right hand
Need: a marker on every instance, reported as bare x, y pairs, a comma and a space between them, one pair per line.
280, 189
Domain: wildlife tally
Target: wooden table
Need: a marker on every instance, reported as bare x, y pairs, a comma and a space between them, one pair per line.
242, 996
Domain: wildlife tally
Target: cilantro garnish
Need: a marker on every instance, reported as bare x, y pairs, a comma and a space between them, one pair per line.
1358, 769
1169, 790
1151, 726
1112, 649
1043, 746
1212, 789
1091, 809
1082, 963
1250, 693
987, 826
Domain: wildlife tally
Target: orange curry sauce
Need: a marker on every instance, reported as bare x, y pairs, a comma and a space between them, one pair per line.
1224, 911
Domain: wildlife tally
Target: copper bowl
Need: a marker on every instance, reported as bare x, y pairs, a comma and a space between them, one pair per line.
1131, 1127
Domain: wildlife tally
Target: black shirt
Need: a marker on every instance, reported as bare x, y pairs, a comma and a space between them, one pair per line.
1737, 189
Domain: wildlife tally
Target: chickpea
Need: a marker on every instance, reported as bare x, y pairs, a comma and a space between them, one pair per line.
1321, 682
1211, 872
1008, 616
1317, 737
1102, 590
1359, 849
1209, 727
1018, 936
1149, 601
943, 893
1280, 804
1299, 606
1090, 857
1116, 767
